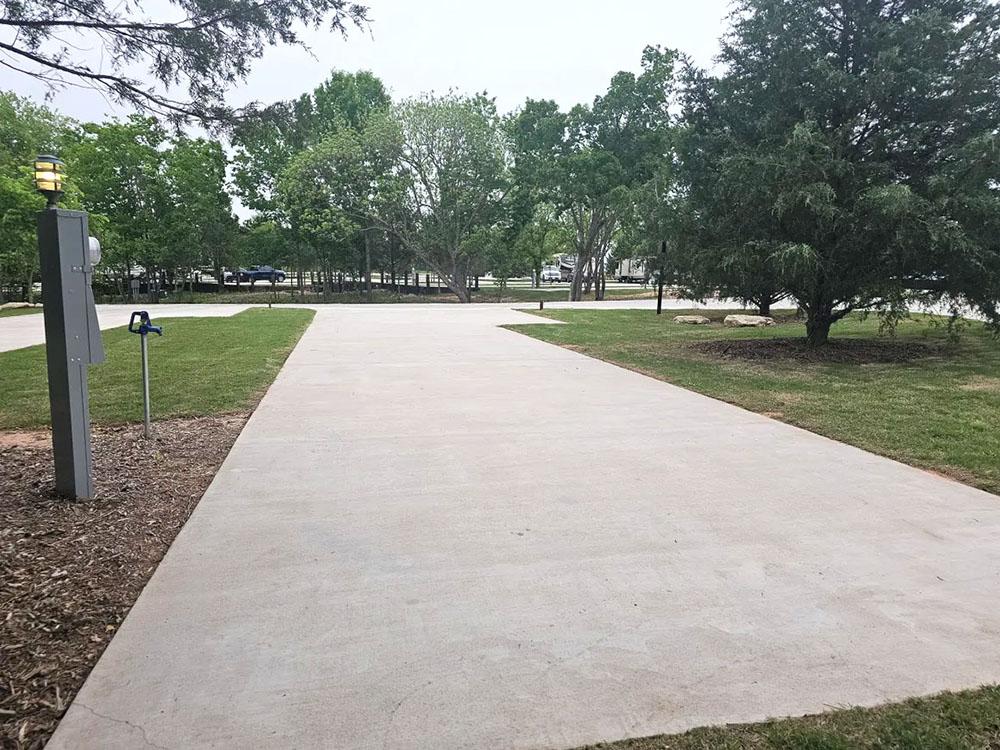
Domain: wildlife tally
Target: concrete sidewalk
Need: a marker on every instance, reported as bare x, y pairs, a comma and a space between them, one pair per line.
19, 331
436, 533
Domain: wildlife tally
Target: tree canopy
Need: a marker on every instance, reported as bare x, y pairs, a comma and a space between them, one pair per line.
843, 154
848, 156
200, 46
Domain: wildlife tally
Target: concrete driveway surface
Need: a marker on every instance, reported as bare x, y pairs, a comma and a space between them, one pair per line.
437, 533
20, 331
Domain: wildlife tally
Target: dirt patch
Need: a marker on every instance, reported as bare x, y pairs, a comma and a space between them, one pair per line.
25, 439
982, 383
70, 571
846, 351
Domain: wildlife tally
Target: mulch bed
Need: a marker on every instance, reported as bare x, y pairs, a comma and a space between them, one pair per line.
836, 351
70, 570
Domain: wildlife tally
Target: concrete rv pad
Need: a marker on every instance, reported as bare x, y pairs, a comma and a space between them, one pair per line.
437, 533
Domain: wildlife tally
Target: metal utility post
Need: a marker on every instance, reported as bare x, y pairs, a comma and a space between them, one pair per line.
660, 275
144, 328
67, 255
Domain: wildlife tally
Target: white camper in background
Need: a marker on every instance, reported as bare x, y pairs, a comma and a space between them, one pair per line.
632, 271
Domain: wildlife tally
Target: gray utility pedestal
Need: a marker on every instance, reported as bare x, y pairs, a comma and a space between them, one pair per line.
73, 341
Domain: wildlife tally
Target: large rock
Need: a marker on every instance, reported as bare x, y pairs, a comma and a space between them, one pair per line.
692, 320
748, 321
16, 305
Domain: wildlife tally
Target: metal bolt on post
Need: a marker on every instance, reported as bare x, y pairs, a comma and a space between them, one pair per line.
143, 329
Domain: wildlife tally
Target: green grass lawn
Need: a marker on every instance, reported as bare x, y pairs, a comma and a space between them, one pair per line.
939, 412
11, 312
199, 366
950, 721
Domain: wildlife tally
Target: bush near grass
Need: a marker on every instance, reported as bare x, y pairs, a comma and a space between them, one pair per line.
200, 366
938, 408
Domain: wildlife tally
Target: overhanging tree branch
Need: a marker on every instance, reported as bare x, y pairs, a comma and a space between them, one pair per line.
205, 52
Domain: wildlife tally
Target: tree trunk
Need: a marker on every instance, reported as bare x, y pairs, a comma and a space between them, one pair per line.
764, 308
458, 282
818, 327
576, 285
368, 265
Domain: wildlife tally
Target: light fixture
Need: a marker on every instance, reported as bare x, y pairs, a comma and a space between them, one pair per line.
49, 173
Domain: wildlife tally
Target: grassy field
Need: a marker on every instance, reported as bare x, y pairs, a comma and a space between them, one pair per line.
200, 366
939, 410
11, 312
950, 721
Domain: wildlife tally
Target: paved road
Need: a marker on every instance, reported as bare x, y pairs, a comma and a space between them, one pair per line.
19, 331
474, 539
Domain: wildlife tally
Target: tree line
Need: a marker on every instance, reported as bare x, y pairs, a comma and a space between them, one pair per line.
843, 154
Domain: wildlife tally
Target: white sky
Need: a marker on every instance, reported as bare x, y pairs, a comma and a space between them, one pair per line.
565, 50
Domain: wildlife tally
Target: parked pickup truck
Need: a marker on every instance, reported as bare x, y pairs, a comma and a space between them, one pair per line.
258, 273
551, 274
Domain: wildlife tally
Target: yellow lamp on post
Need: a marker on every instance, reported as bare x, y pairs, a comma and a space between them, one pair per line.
49, 172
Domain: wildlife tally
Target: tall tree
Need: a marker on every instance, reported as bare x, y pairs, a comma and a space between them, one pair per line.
203, 46
265, 146
25, 131
590, 162
453, 161
119, 167
201, 228
335, 190
852, 145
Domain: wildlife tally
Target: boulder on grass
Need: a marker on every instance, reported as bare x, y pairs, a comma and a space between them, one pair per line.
692, 320
748, 321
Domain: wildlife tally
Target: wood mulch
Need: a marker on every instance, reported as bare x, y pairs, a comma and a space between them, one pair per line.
70, 570
836, 351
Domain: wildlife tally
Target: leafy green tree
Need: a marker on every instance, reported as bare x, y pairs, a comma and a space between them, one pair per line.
590, 163
333, 190
540, 240
451, 183
203, 46
265, 146
200, 222
850, 147
119, 168
26, 130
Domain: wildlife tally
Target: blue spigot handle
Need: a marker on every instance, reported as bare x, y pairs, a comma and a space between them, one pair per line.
144, 324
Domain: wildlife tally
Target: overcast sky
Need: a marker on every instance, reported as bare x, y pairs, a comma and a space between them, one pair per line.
565, 50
